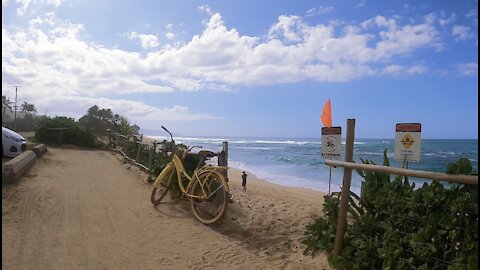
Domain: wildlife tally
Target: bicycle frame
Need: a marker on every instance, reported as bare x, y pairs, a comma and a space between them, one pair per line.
180, 171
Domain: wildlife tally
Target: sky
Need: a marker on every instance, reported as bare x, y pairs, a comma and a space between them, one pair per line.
249, 68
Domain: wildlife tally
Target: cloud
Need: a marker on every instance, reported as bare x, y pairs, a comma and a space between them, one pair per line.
361, 3
399, 70
461, 32
444, 20
217, 58
206, 9
77, 106
319, 10
24, 5
147, 41
55, 58
467, 69
169, 35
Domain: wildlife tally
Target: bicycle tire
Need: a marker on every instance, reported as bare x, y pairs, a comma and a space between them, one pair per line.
162, 184
211, 210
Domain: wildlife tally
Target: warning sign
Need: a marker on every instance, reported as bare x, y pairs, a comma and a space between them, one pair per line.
407, 142
331, 142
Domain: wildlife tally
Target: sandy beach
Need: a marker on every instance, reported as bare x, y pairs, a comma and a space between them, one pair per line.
81, 209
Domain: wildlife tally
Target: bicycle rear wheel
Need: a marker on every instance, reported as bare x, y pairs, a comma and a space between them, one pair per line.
211, 209
162, 184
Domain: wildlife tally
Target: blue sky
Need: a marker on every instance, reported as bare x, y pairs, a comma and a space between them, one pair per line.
249, 68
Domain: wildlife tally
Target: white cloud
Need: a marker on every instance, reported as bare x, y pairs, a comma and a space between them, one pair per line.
467, 69
216, 58
361, 3
461, 32
472, 14
52, 58
323, 10
206, 8
147, 41
319, 10
399, 70
24, 5
417, 69
288, 27
169, 35
77, 106
445, 20
311, 12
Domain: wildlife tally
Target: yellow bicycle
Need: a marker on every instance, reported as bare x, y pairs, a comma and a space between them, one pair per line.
207, 188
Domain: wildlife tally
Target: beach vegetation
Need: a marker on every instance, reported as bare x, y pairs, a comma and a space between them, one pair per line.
98, 121
72, 133
403, 227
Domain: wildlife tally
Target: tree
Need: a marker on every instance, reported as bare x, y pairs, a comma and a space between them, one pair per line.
7, 103
93, 111
27, 108
99, 120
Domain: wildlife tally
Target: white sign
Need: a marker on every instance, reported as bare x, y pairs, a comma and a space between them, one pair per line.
331, 142
407, 142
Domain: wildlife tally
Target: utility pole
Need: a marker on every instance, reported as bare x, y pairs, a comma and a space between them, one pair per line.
15, 119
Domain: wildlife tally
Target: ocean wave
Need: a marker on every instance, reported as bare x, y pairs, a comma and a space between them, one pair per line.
257, 148
375, 154
355, 143
272, 142
287, 160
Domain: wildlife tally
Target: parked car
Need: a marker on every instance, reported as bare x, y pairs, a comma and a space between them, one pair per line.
13, 144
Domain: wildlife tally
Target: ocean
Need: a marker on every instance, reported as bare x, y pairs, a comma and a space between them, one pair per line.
297, 162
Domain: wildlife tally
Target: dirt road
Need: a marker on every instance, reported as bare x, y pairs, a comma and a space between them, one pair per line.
80, 209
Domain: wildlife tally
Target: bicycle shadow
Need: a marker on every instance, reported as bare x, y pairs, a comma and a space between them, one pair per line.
177, 208
261, 240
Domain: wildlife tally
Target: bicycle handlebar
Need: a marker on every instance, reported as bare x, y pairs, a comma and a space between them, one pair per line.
164, 128
197, 146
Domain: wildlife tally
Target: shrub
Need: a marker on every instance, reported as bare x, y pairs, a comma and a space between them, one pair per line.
432, 227
73, 134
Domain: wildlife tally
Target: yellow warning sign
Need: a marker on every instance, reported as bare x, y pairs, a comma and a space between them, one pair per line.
407, 141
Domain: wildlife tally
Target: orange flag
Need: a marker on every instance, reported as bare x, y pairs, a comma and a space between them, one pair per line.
327, 114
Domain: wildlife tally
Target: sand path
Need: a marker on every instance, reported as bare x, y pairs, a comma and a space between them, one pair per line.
80, 209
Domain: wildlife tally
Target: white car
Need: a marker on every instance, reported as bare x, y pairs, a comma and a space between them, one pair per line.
13, 144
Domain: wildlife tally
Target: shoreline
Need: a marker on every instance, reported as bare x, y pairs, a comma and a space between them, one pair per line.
269, 220
238, 170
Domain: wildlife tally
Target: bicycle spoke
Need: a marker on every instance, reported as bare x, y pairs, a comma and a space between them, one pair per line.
212, 208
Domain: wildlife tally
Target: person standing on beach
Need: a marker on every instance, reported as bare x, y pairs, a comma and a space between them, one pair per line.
244, 181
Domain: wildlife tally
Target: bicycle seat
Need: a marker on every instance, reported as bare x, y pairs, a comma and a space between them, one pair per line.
206, 153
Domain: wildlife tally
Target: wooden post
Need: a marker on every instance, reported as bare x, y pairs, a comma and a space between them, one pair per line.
139, 148
109, 134
347, 178
153, 150
150, 156
223, 159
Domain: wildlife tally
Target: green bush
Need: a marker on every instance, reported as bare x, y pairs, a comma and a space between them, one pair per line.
73, 134
432, 227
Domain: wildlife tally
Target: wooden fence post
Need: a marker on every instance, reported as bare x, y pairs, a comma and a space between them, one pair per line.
153, 149
223, 159
139, 149
345, 194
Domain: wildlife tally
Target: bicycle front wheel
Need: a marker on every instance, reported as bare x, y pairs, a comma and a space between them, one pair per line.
162, 184
214, 190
